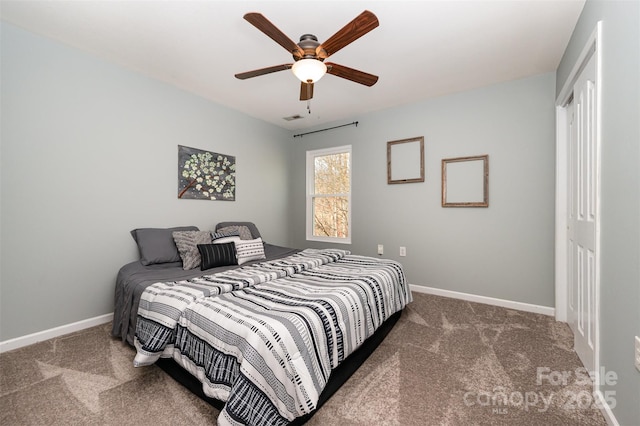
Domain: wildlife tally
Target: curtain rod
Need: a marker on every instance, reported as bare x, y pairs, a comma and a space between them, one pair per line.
324, 130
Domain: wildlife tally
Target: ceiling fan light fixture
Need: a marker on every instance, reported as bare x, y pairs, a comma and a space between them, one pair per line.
309, 70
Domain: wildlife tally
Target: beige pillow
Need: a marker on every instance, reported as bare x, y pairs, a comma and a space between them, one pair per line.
187, 244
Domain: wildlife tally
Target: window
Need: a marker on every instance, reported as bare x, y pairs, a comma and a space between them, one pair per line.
329, 195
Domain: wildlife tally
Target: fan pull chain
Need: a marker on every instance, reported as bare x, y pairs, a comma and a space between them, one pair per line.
309, 86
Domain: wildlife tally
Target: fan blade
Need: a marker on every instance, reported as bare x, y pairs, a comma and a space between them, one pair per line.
351, 74
264, 25
306, 91
355, 29
263, 71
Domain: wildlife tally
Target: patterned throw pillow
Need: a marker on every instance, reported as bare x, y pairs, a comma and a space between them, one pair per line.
243, 231
187, 243
225, 237
214, 255
225, 240
247, 250
218, 235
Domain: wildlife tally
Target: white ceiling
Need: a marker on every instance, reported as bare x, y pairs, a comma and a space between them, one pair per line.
421, 49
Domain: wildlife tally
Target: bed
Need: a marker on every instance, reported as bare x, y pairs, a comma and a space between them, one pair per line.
266, 341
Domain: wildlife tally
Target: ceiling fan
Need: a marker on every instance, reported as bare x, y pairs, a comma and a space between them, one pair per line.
309, 55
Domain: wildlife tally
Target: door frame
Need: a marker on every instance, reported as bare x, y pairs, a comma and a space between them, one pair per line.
593, 47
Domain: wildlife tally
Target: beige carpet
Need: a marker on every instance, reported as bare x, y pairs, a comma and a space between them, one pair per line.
446, 362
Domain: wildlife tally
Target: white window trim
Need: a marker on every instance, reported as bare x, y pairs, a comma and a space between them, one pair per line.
310, 192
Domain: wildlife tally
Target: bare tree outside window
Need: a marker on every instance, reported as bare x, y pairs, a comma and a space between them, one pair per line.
330, 194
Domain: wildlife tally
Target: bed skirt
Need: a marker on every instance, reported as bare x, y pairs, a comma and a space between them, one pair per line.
338, 377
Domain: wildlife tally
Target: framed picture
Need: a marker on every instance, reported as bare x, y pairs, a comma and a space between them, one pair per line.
405, 160
465, 181
204, 175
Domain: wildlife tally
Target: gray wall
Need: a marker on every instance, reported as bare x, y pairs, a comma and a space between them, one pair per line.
503, 251
620, 215
89, 152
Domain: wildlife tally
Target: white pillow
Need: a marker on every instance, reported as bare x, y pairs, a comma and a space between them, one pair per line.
224, 240
247, 250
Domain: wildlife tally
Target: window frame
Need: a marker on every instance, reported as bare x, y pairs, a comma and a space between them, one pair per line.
310, 192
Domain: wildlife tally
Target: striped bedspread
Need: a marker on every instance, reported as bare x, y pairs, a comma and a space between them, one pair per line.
162, 304
269, 349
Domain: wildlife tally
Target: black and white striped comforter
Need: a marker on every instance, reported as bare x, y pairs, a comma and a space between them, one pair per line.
268, 348
162, 304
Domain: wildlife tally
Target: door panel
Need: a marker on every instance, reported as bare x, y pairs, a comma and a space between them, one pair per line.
583, 196
572, 257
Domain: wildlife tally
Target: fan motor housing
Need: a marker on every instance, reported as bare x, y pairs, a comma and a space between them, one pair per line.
308, 43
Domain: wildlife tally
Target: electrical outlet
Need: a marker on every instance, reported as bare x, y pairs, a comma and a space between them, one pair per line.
403, 251
638, 353
380, 249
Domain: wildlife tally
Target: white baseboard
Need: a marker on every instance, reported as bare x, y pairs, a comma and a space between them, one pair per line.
606, 410
30, 339
545, 310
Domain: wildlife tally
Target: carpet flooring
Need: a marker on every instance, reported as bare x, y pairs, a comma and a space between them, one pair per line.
446, 362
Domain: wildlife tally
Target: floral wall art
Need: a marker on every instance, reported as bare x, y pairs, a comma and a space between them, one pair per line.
205, 175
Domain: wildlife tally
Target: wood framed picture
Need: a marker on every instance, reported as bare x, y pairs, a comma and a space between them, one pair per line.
405, 160
465, 181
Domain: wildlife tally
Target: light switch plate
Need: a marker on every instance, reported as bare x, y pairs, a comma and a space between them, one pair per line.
380, 249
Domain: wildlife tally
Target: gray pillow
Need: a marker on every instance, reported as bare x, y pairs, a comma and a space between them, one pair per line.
252, 227
156, 244
187, 244
243, 231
